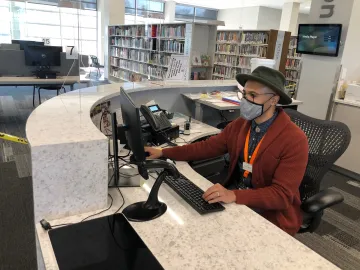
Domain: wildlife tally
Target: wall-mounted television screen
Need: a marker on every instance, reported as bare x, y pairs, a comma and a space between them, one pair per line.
319, 39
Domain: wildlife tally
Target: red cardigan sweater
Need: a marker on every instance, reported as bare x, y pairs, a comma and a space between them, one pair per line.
277, 172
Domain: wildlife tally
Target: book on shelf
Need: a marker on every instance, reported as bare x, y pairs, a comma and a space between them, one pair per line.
292, 75
292, 53
228, 48
257, 51
172, 46
173, 31
254, 37
227, 36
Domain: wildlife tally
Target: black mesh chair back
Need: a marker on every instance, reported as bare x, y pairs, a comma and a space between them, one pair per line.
328, 140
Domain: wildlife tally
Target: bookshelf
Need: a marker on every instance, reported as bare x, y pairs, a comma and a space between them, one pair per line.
235, 48
293, 66
141, 52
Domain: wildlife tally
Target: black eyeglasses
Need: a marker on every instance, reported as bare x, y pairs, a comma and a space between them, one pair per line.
250, 95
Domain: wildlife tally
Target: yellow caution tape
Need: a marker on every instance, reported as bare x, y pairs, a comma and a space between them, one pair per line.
13, 138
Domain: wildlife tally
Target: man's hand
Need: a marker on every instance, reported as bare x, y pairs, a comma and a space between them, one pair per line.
217, 193
154, 153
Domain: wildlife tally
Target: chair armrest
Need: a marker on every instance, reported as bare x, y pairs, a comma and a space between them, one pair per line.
321, 200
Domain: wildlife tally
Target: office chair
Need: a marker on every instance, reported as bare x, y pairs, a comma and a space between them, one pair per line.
95, 63
47, 87
223, 125
328, 140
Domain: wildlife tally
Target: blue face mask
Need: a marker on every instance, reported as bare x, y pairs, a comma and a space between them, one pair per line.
250, 110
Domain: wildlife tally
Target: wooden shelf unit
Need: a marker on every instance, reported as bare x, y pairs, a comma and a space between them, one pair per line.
292, 67
235, 49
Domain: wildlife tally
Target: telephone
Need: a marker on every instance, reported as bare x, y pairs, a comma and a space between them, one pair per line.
155, 117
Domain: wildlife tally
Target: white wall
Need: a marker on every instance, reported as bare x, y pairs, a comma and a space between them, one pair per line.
235, 18
351, 49
269, 18
254, 18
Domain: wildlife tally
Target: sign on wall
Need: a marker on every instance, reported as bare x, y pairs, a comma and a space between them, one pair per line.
178, 68
71, 52
46, 41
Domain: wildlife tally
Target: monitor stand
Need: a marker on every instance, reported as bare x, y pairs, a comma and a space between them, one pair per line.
127, 178
152, 208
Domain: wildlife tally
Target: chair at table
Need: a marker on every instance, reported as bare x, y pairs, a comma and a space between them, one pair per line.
95, 63
56, 88
328, 140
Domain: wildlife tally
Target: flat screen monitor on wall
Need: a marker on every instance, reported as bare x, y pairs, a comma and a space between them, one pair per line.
319, 39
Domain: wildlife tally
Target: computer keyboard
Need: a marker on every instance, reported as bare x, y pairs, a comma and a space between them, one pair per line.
192, 194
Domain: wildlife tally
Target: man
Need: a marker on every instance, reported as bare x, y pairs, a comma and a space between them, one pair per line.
268, 153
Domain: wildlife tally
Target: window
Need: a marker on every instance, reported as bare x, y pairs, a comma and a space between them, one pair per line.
189, 13
64, 26
142, 11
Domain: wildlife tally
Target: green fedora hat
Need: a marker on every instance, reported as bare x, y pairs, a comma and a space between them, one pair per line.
272, 78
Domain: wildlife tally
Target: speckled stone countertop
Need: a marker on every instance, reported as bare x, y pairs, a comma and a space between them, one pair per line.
236, 238
66, 118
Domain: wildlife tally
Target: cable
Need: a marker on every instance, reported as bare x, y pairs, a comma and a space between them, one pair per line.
100, 211
122, 202
59, 225
222, 115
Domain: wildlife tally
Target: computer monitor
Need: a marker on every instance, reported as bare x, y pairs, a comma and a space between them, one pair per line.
25, 43
44, 56
133, 132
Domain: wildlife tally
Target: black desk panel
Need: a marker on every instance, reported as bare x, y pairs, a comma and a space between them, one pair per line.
104, 243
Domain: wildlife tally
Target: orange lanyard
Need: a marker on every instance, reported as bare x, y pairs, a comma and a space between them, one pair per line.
246, 152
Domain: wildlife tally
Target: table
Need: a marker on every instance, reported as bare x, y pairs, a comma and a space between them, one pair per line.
181, 238
35, 82
218, 104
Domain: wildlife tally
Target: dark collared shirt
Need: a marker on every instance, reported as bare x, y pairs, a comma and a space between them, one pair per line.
257, 132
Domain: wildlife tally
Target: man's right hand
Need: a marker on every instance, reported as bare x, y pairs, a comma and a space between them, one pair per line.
154, 153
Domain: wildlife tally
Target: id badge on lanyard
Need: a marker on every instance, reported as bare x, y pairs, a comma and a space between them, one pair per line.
248, 165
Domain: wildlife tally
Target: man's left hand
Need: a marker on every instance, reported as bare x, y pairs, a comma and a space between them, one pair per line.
217, 193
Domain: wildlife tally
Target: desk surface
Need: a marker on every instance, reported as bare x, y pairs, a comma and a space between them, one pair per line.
236, 238
34, 81
219, 104
70, 173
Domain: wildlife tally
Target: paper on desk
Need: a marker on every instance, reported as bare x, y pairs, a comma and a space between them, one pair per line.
195, 96
215, 100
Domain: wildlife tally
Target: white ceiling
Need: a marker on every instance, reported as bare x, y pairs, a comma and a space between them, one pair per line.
225, 4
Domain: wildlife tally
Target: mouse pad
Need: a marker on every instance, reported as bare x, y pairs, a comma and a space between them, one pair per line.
103, 243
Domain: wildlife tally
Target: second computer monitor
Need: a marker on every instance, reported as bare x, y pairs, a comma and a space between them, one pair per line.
25, 43
42, 55
133, 131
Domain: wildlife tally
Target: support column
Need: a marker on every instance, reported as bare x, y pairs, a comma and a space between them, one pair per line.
319, 73
110, 12
289, 17
169, 11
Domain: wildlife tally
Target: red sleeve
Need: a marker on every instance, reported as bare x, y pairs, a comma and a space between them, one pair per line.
285, 184
213, 147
